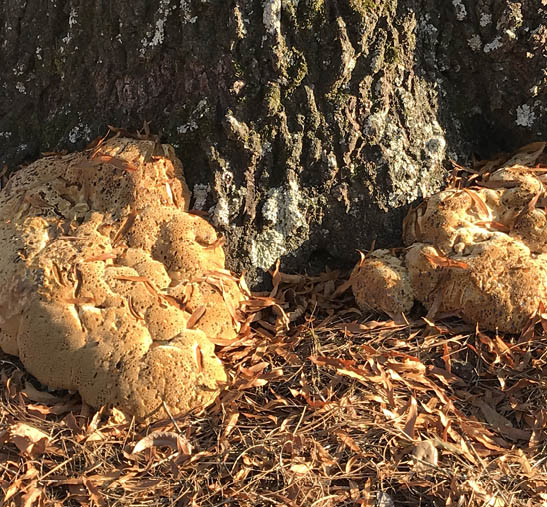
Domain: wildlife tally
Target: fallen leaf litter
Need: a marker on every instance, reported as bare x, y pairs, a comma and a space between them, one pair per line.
323, 405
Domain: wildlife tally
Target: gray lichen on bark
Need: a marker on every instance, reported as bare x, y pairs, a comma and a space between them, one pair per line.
305, 127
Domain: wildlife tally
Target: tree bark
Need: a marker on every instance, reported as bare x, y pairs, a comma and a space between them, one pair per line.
306, 127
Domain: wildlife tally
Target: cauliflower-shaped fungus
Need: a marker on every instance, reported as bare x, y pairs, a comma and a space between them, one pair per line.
383, 284
109, 286
480, 252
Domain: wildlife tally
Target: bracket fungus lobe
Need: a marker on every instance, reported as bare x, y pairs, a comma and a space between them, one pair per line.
109, 286
480, 252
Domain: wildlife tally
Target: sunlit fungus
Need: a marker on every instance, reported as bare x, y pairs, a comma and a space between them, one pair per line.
109, 286
480, 251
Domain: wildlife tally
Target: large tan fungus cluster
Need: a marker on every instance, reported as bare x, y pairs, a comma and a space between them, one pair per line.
109, 286
480, 252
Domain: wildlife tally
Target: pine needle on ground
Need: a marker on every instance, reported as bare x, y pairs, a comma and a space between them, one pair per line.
325, 407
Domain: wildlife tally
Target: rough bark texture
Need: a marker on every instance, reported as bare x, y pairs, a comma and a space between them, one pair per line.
305, 127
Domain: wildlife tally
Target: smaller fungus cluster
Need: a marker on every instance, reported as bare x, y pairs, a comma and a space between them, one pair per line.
479, 252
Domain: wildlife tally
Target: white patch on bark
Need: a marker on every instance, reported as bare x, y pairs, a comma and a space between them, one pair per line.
186, 12
376, 123
485, 20
435, 147
200, 195
157, 38
72, 17
475, 42
495, 44
411, 181
525, 116
272, 16
461, 11
71, 22
187, 127
221, 213
79, 132
284, 211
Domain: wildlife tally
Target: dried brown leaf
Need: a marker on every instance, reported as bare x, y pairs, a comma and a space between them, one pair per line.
478, 202
301, 468
198, 357
133, 310
230, 423
411, 417
118, 163
95, 494
500, 423
173, 301
58, 275
31, 496
169, 439
347, 440
196, 315
126, 224
218, 243
496, 184
102, 257
29, 440
343, 367
445, 262
498, 226
425, 455
34, 394
78, 301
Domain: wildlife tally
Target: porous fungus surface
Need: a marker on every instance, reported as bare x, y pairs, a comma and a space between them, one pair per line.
109, 286
480, 252
382, 284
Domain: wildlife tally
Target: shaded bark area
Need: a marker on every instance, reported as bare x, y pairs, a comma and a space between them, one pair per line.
306, 127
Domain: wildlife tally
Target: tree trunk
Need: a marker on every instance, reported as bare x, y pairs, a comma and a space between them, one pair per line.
306, 127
